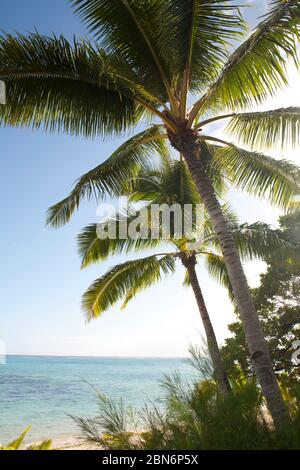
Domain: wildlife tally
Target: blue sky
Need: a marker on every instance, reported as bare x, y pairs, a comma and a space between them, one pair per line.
41, 282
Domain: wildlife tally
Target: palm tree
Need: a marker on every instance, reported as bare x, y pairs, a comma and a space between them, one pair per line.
148, 60
173, 185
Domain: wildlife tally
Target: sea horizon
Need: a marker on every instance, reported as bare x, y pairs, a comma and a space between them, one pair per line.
42, 391
96, 357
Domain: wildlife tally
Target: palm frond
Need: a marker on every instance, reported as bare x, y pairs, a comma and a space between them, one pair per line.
260, 241
203, 30
254, 241
145, 187
174, 184
130, 29
259, 175
257, 69
93, 249
167, 265
66, 87
109, 178
209, 235
267, 130
122, 281
216, 268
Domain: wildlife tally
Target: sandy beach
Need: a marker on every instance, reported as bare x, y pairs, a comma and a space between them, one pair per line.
68, 443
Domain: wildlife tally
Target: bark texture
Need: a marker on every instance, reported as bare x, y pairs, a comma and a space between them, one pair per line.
187, 142
212, 344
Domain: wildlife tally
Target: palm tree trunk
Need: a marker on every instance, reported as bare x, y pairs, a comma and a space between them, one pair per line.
187, 142
213, 348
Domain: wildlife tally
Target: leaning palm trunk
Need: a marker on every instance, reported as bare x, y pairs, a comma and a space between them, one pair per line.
187, 143
213, 348
108, 87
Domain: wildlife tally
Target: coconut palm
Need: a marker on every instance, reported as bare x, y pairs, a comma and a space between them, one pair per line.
165, 189
149, 59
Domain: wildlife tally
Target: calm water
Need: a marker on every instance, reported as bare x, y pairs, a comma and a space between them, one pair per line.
41, 390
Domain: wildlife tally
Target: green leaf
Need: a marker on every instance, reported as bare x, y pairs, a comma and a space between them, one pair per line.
122, 281
130, 29
203, 30
267, 130
16, 444
110, 177
65, 87
260, 241
216, 268
186, 281
254, 241
174, 183
45, 445
259, 175
92, 249
257, 69
166, 265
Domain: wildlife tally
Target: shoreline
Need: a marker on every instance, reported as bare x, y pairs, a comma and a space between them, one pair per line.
67, 443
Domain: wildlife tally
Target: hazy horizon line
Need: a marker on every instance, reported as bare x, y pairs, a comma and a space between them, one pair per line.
96, 357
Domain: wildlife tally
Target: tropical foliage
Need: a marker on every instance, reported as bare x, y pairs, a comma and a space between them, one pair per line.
127, 74
19, 442
277, 300
125, 281
192, 416
147, 59
173, 185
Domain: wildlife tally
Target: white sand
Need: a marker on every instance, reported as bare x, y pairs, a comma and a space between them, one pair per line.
69, 443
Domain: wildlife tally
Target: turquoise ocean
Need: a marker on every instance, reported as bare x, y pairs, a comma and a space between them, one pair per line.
42, 391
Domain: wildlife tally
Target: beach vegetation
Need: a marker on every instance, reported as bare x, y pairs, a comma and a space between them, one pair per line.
182, 64
18, 443
194, 416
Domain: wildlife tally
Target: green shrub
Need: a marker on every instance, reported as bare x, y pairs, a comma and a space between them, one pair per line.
194, 416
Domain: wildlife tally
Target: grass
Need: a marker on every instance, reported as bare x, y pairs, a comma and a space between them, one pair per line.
194, 416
